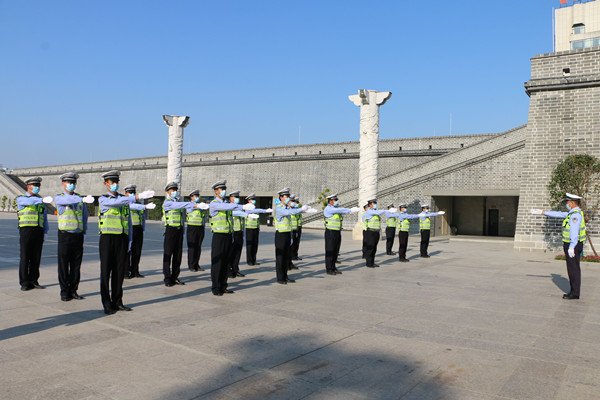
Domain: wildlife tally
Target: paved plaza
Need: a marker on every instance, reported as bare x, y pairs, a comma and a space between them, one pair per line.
477, 320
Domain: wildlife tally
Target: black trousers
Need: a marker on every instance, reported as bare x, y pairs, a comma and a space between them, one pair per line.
371, 240
137, 241
573, 268
424, 241
403, 244
70, 254
390, 233
113, 263
296, 235
195, 237
236, 252
283, 254
173, 247
31, 239
364, 245
251, 245
219, 260
333, 240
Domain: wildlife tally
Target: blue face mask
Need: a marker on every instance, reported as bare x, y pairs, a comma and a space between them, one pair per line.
70, 187
253, 201
223, 193
298, 205
174, 194
374, 206
286, 200
336, 203
236, 200
114, 187
196, 199
568, 207
35, 190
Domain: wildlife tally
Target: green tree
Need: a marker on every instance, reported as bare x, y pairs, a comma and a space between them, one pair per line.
14, 204
577, 174
4, 199
156, 214
323, 198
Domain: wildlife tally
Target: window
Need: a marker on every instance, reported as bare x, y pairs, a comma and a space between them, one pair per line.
585, 43
578, 29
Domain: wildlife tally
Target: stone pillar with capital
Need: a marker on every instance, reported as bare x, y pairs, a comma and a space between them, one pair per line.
369, 102
176, 124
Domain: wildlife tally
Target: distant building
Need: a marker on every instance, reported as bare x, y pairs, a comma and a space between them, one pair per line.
577, 26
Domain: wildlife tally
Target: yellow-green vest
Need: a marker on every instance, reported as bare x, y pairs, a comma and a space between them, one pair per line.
295, 222
334, 222
172, 217
299, 218
285, 224
137, 217
374, 222
31, 215
404, 225
252, 223
72, 218
238, 223
425, 225
114, 221
567, 227
196, 217
391, 222
221, 222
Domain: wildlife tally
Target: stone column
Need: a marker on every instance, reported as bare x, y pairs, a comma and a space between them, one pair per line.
176, 124
369, 102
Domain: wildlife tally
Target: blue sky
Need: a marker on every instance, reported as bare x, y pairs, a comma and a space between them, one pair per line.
90, 80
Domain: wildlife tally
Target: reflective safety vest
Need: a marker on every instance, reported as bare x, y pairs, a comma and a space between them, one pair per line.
114, 221
299, 218
391, 222
196, 217
31, 215
285, 224
72, 218
403, 225
252, 223
295, 222
238, 223
221, 222
334, 222
425, 225
567, 227
172, 217
374, 222
137, 216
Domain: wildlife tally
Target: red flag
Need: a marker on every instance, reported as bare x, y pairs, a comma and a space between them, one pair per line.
563, 2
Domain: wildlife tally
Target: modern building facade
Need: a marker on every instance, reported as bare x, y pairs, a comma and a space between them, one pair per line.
577, 25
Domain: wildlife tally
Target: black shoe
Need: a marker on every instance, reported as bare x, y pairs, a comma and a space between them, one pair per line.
299, 258
228, 291
75, 296
425, 256
169, 283
282, 282
403, 260
370, 266
337, 271
123, 308
230, 275
109, 311
288, 280
178, 282
249, 263
217, 293
200, 269
256, 263
138, 275
26, 287
338, 262
128, 276
65, 298
570, 297
239, 274
38, 286
294, 258
330, 272
194, 269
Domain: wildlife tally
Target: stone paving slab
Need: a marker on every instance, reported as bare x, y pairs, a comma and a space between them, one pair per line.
477, 320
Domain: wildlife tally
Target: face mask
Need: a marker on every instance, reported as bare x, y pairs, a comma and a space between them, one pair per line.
253, 201
35, 190
298, 205
131, 194
114, 187
236, 200
568, 207
336, 203
286, 200
196, 199
374, 206
70, 187
426, 211
174, 194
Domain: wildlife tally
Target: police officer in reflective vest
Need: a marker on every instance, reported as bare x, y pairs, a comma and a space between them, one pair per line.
237, 244
283, 235
333, 214
425, 226
403, 225
173, 220
138, 227
221, 225
372, 229
253, 230
72, 215
114, 225
364, 226
33, 226
196, 220
296, 228
573, 236
390, 230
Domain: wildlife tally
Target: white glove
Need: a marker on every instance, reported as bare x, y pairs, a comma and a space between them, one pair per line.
536, 211
355, 209
248, 207
89, 199
305, 208
393, 210
202, 206
311, 210
146, 194
422, 215
571, 252
150, 206
253, 216
47, 199
441, 212
269, 210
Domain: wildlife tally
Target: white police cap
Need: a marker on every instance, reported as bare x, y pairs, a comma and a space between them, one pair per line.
130, 188
332, 197
570, 196
35, 180
195, 193
171, 185
251, 196
235, 193
284, 192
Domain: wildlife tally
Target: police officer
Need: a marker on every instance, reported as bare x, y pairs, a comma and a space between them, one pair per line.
333, 232
296, 228
138, 227
173, 220
364, 226
221, 225
33, 226
196, 220
372, 229
390, 230
114, 224
72, 226
425, 226
283, 235
573, 236
403, 225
